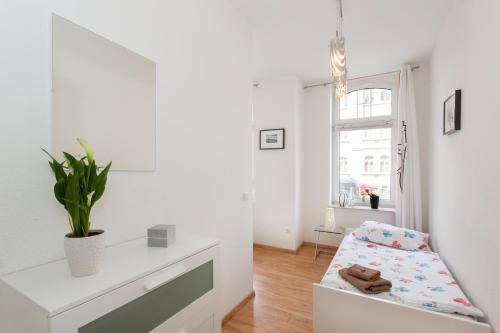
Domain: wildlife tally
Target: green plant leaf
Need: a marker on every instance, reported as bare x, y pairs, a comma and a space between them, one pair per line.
56, 167
74, 164
58, 170
60, 191
100, 184
72, 198
92, 175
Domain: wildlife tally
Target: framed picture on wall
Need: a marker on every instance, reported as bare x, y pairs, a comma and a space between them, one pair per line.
272, 139
452, 113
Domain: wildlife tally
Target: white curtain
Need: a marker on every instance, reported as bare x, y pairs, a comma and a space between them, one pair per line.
409, 201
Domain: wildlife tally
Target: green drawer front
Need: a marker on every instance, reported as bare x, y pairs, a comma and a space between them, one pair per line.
149, 311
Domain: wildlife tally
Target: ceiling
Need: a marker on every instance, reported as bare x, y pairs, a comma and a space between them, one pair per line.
292, 36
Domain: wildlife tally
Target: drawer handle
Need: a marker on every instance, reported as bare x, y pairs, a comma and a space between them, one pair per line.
164, 277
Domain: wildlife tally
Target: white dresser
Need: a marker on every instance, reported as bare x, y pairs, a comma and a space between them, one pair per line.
138, 289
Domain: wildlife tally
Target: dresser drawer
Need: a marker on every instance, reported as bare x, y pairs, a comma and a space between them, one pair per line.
163, 301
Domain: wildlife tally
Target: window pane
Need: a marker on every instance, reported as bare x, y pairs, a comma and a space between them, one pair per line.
365, 162
365, 103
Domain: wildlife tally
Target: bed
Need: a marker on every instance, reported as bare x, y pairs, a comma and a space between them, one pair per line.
424, 296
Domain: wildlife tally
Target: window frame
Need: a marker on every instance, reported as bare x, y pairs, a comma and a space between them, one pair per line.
388, 82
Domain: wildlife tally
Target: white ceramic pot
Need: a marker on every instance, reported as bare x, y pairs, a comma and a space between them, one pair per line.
84, 254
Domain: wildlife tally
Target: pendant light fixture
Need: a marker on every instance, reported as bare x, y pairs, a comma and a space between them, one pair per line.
341, 87
338, 64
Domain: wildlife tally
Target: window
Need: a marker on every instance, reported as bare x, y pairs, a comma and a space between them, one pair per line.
363, 104
364, 141
385, 133
368, 163
344, 167
385, 96
385, 164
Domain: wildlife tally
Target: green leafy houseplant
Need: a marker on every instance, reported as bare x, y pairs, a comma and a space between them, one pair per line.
79, 185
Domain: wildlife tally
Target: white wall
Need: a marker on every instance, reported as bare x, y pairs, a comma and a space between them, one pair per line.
202, 50
299, 164
278, 104
464, 213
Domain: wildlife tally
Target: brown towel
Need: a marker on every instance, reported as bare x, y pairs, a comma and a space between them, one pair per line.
367, 287
364, 273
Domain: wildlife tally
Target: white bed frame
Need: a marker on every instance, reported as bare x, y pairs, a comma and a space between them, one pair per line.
340, 311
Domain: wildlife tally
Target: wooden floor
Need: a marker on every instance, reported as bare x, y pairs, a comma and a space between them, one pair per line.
283, 287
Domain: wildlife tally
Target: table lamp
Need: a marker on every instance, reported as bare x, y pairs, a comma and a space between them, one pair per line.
330, 218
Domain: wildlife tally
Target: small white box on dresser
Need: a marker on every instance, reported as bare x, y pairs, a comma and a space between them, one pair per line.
139, 289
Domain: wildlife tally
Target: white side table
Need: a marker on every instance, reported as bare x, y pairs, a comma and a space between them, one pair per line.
323, 229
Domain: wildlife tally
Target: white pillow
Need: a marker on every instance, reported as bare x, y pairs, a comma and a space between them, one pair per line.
399, 238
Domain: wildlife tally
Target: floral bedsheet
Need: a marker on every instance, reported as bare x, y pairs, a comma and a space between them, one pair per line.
419, 278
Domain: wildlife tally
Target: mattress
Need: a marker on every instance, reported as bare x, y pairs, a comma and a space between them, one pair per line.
419, 278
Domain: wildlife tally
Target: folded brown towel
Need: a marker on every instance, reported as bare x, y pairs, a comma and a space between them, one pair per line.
364, 273
367, 287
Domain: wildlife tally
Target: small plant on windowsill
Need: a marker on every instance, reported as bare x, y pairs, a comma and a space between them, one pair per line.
374, 198
79, 185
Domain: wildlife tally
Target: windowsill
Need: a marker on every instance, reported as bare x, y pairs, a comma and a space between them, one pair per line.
380, 209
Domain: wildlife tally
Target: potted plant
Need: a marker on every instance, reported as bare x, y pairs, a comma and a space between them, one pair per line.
80, 183
374, 198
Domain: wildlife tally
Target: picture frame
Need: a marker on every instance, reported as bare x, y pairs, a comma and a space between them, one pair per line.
452, 109
270, 139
